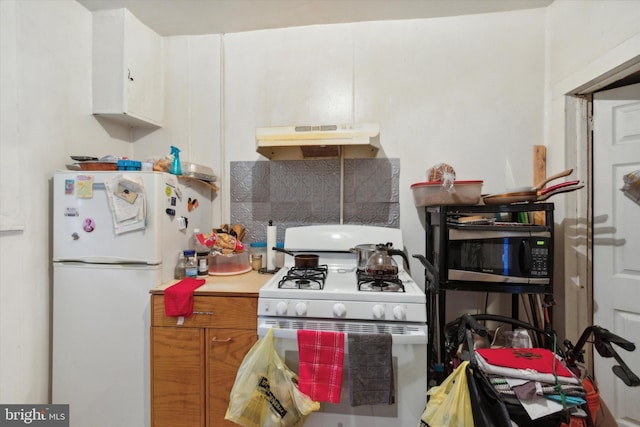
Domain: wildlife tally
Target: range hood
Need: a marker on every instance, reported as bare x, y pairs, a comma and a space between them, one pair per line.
318, 142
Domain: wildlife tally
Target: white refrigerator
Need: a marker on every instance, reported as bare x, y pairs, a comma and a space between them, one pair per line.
116, 235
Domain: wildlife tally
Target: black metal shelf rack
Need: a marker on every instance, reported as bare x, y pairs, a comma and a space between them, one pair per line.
437, 227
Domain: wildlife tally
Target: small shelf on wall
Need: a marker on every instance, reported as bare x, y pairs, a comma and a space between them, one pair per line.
211, 185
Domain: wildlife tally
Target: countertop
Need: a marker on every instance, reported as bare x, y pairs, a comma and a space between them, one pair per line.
246, 284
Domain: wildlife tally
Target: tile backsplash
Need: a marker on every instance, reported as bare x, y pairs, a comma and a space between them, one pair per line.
307, 192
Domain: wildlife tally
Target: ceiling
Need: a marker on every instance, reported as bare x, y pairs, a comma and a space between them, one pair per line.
192, 17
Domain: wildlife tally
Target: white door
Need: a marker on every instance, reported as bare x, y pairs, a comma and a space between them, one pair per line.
616, 242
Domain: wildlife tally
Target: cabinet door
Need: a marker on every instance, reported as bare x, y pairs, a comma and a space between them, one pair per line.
127, 69
226, 350
144, 76
177, 377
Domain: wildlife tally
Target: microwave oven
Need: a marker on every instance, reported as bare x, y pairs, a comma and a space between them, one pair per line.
522, 256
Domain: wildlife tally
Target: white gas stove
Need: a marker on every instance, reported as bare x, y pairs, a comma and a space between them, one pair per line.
333, 291
336, 292
334, 300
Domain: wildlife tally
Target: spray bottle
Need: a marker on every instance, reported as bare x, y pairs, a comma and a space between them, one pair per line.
176, 169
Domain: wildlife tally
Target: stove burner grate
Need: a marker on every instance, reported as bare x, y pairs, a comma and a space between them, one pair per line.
379, 282
304, 278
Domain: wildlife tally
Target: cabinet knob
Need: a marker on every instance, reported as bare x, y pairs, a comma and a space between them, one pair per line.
215, 339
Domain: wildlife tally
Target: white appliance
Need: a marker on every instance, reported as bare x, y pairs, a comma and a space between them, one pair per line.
300, 142
101, 284
340, 301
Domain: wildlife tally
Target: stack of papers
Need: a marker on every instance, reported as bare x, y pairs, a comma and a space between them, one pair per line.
127, 202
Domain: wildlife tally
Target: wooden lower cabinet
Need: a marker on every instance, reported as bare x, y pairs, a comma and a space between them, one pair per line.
194, 365
227, 348
177, 381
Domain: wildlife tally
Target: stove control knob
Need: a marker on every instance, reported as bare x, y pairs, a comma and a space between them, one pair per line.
339, 310
301, 309
281, 308
399, 312
378, 311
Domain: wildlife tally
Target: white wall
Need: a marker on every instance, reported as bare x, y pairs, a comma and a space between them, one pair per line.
585, 41
192, 69
52, 119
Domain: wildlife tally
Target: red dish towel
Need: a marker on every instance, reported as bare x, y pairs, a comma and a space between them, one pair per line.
321, 356
178, 298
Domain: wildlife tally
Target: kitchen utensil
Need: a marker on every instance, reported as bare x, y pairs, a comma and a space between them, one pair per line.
91, 165
83, 158
539, 186
301, 260
527, 195
558, 186
363, 252
531, 196
381, 262
563, 189
507, 198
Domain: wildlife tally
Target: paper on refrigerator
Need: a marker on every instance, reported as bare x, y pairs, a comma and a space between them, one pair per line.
127, 202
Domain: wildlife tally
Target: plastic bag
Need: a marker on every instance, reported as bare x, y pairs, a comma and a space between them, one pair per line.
450, 403
631, 187
442, 172
265, 393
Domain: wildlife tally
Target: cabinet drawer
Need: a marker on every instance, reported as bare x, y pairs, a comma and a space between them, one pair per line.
211, 312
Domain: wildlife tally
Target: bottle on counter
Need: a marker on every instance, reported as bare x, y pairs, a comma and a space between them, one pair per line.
179, 271
203, 264
191, 264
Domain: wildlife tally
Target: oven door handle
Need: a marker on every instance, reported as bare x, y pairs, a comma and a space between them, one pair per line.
416, 337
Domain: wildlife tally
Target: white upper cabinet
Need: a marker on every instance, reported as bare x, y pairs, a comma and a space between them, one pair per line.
127, 70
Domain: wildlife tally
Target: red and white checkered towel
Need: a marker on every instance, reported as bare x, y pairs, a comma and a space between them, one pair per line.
321, 356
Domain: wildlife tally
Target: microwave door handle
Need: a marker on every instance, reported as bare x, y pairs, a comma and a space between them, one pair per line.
525, 256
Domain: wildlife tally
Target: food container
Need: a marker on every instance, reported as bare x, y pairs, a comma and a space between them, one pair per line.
433, 193
129, 165
258, 251
258, 248
98, 166
227, 265
193, 170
